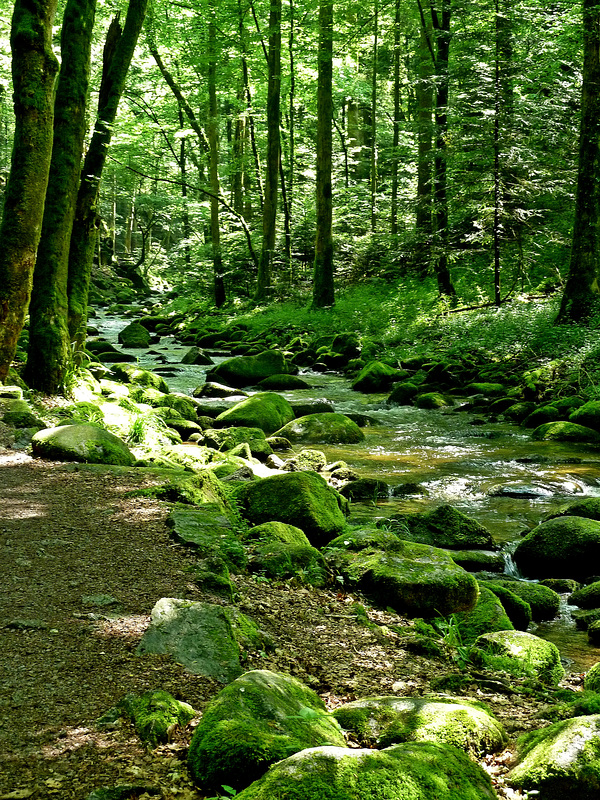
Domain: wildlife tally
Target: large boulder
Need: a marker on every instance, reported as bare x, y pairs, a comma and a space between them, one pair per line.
411, 578
587, 596
588, 415
487, 616
562, 431
329, 428
88, 443
377, 377
410, 771
266, 410
134, 336
382, 721
249, 370
527, 653
260, 718
209, 531
560, 762
543, 601
443, 526
130, 373
565, 547
302, 499
207, 639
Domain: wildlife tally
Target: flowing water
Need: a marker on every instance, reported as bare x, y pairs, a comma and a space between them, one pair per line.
494, 472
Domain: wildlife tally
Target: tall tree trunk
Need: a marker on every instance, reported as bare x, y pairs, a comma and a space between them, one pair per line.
263, 286
396, 123
34, 68
581, 297
373, 165
424, 98
323, 287
49, 357
185, 213
441, 25
250, 116
118, 52
213, 141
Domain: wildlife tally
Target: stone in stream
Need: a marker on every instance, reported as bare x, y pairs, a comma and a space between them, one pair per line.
383, 721
140, 377
587, 415
566, 432
411, 578
488, 615
255, 721
412, 770
266, 410
207, 639
197, 357
249, 370
302, 499
218, 390
90, 444
543, 601
403, 394
591, 681
303, 408
377, 377
283, 383
561, 761
134, 336
443, 526
529, 654
322, 429
566, 547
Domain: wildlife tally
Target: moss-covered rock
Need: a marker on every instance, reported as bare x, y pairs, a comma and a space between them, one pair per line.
210, 531
487, 389
589, 508
212, 575
377, 377
592, 678
383, 721
260, 718
131, 373
88, 443
266, 410
277, 532
403, 394
207, 639
411, 578
134, 336
443, 526
366, 489
409, 771
477, 560
560, 762
302, 499
526, 651
487, 616
587, 597
156, 714
327, 428
517, 609
306, 460
563, 547
519, 411
432, 401
543, 601
282, 560
226, 439
195, 356
283, 383
249, 370
540, 416
587, 415
18, 414
566, 432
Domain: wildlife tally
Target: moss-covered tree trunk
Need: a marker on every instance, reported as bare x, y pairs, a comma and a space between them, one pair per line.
323, 287
34, 68
213, 142
582, 291
49, 354
263, 285
118, 52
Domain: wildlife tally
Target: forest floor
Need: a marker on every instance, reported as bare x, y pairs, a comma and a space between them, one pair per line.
69, 537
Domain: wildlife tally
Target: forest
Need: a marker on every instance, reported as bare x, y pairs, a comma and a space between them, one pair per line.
299, 399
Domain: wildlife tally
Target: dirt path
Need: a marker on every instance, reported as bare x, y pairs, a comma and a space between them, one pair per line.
70, 540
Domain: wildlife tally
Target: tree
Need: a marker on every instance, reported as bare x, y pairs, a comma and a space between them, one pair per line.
213, 141
118, 52
263, 285
34, 68
49, 349
323, 288
582, 291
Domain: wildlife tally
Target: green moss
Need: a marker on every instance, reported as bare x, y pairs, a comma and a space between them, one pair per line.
487, 616
567, 547
517, 609
322, 428
277, 532
592, 678
432, 400
565, 432
530, 653
265, 410
443, 526
258, 719
587, 597
155, 714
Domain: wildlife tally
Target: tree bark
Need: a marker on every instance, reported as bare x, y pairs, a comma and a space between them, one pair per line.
213, 141
118, 52
373, 161
323, 287
424, 98
265, 264
49, 356
396, 123
34, 68
581, 297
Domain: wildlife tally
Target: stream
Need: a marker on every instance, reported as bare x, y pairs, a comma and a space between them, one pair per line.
493, 472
